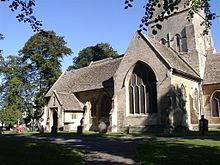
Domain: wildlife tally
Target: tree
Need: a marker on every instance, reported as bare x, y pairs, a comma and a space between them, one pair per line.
25, 12
13, 86
169, 7
92, 53
43, 53
1, 38
10, 116
13, 90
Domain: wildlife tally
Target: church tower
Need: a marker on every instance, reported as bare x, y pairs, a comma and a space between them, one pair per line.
185, 37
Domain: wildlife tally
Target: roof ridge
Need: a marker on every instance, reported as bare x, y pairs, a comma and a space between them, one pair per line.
104, 60
99, 61
62, 74
64, 93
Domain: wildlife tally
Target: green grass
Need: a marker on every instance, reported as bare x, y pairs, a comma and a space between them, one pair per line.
20, 151
181, 152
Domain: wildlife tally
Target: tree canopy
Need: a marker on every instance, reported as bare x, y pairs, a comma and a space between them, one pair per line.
25, 12
169, 7
92, 53
1, 38
43, 52
13, 89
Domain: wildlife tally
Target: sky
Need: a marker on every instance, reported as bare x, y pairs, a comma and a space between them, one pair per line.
83, 23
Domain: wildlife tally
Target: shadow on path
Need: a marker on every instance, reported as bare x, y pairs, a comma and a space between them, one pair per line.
99, 150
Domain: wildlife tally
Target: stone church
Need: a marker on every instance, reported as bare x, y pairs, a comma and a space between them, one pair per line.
163, 81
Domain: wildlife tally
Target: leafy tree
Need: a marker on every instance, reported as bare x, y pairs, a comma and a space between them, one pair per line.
10, 116
1, 38
169, 7
25, 12
92, 53
13, 89
43, 53
13, 86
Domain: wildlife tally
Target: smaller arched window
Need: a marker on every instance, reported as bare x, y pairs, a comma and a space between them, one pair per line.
215, 104
106, 106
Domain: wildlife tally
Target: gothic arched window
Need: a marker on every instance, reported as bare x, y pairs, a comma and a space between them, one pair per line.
142, 90
215, 104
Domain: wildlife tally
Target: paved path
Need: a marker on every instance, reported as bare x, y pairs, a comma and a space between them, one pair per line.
99, 150
106, 151
103, 151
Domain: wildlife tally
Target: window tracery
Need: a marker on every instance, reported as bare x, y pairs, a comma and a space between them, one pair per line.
215, 104
142, 90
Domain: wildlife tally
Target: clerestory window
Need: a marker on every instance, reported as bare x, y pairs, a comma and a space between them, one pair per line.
215, 104
142, 90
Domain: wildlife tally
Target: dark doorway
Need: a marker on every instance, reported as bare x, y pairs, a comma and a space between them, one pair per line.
55, 121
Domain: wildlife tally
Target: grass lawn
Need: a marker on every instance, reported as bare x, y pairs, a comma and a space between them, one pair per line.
181, 152
20, 151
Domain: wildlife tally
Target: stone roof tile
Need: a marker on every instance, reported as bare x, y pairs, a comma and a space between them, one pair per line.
69, 101
212, 69
95, 76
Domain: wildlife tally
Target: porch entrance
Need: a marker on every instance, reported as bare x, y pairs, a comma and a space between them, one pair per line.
55, 120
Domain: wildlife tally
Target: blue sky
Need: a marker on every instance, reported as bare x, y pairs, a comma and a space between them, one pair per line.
83, 23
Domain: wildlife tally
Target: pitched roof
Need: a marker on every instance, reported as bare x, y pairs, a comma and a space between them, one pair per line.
212, 69
95, 76
171, 59
69, 101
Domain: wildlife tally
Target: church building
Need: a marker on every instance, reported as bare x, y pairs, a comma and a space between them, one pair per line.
163, 81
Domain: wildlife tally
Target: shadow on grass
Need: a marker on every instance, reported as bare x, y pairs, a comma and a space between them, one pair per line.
103, 148
180, 152
21, 151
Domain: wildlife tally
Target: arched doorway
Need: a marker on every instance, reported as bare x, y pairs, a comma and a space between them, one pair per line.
55, 120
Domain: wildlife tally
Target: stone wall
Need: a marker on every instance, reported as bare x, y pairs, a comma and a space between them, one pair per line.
193, 44
208, 90
90, 99
139, 51
53, 104
187, 88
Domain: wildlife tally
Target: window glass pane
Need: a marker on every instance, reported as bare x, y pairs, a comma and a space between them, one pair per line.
143, 99
139, 81
136, 91
131, 100
133, 81
148, 102
215, 112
